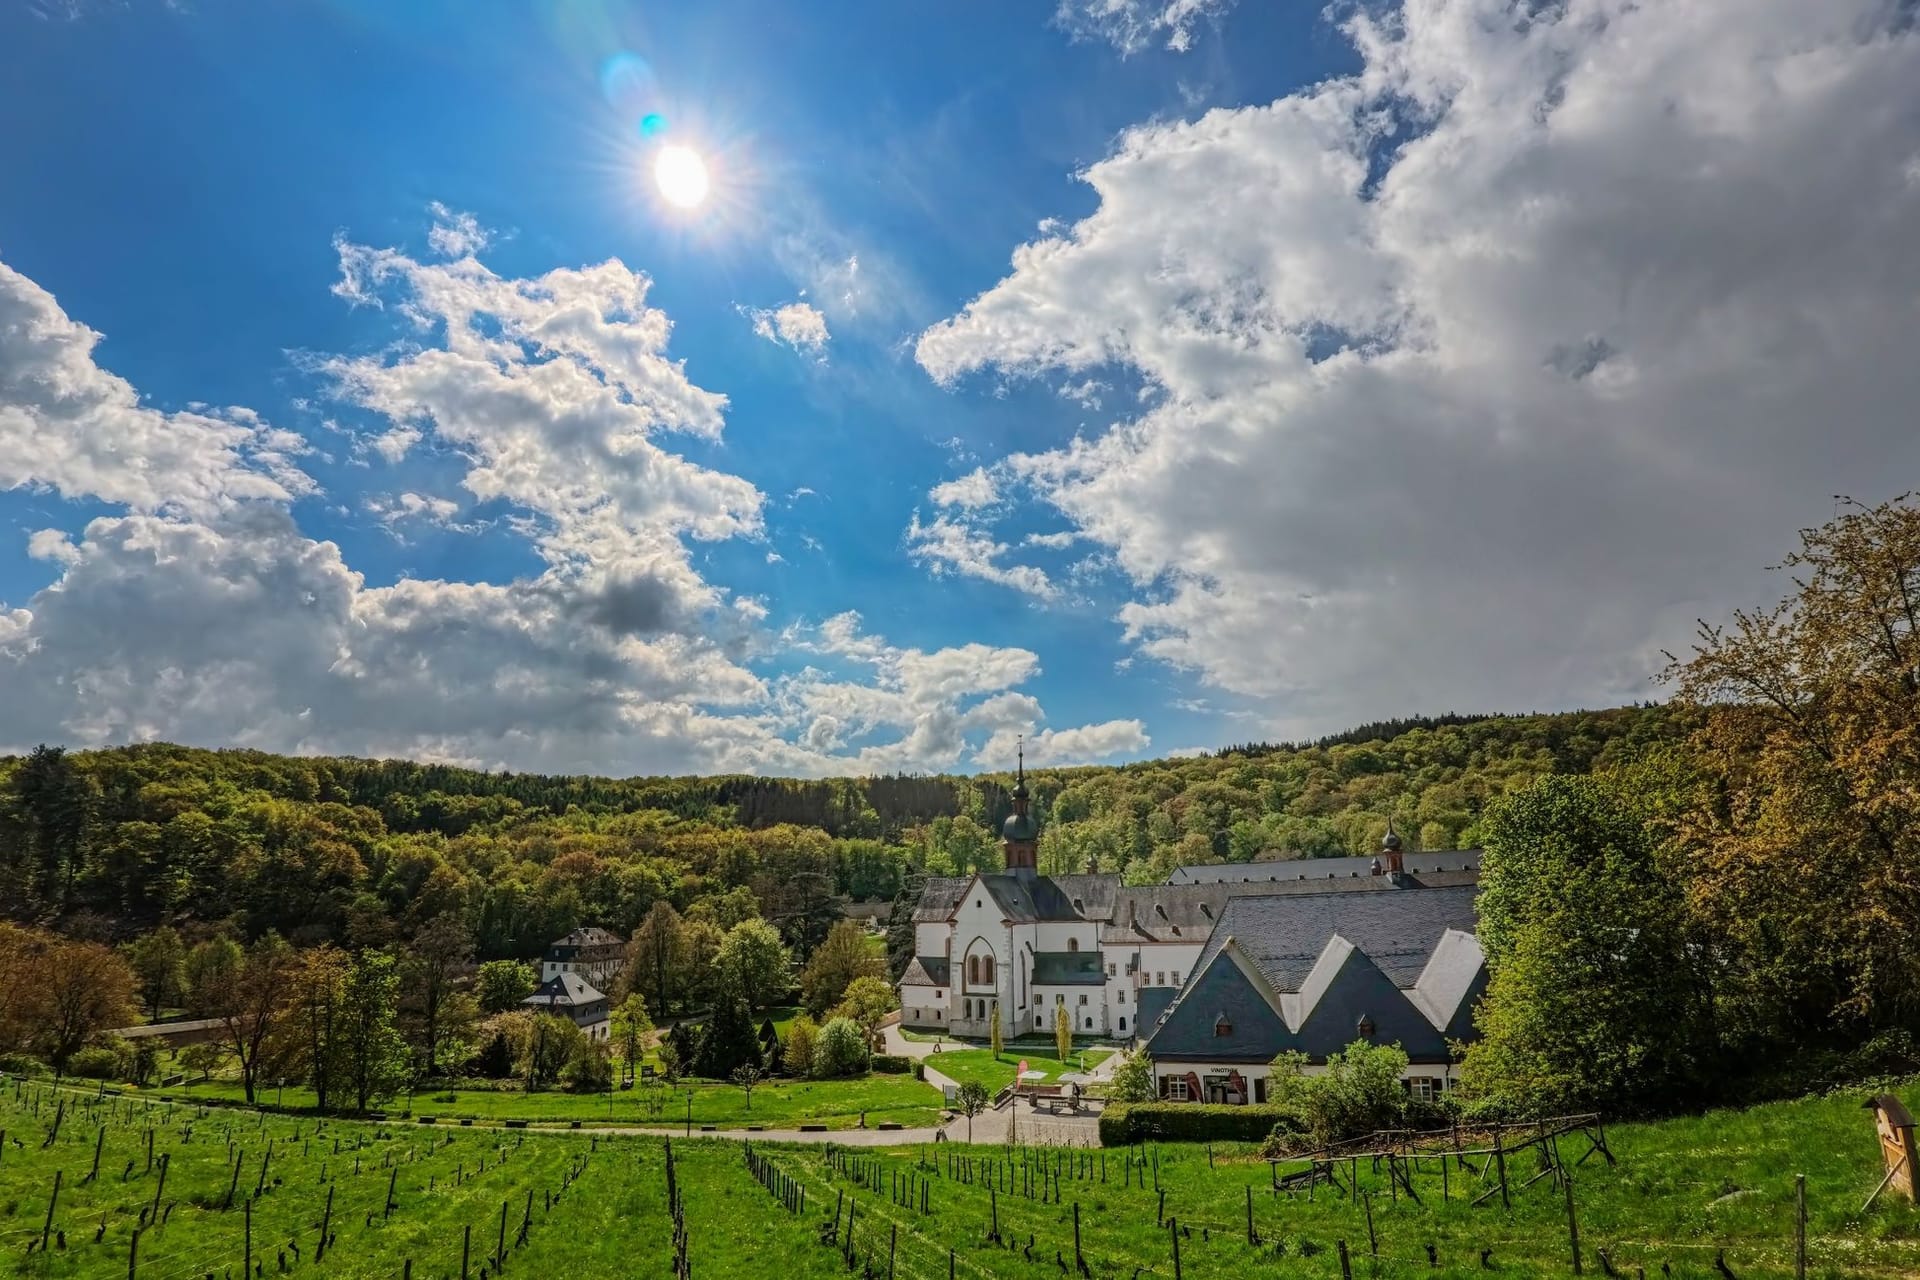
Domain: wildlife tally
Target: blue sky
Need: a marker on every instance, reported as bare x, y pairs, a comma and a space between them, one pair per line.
1261, 316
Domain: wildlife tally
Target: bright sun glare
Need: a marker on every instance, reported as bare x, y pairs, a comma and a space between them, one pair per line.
681, 176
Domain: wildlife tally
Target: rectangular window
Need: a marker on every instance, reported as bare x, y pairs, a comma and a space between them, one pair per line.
1120, 997
1159, 979
1110, 969
1423, 1088
1176, 1088
1083, 1001
1176, 979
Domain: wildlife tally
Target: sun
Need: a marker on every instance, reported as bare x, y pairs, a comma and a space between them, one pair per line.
681, 175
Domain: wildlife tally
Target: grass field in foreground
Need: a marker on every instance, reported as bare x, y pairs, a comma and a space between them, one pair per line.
838, 1104
1684, 1192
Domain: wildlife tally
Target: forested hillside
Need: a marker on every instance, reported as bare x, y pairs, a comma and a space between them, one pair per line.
113, 842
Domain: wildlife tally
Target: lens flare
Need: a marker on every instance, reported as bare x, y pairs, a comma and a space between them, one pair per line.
681, 175
652, 124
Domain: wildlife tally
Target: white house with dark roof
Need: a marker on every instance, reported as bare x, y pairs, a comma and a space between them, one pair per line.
592, 953
570, 996
1117, 957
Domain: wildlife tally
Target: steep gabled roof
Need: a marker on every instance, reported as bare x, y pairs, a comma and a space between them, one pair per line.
940, 897
563, 991
1091, 894
1404, 960
1226, 1013
1398, 928
1451, 982
1027, 897
926, 971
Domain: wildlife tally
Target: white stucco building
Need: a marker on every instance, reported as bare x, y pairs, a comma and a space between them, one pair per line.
1019, 944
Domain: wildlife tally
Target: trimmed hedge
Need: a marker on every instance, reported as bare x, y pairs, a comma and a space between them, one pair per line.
892, 1064
1129, 1122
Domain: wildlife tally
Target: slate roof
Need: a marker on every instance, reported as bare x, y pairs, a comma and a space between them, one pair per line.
1092, 895
1282, 870
590, 936
1284, 934
1298, 971
927, 971
1067, 969
1164, 913
939, 897
1029, 897
563, 991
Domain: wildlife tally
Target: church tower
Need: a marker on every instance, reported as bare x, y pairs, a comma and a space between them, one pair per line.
1020, 836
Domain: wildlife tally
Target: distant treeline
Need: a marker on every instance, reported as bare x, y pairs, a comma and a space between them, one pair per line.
113, 842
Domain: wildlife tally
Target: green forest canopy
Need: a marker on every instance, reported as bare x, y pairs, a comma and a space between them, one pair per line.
118, 840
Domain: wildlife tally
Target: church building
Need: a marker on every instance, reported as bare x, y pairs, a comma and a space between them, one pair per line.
1298, 954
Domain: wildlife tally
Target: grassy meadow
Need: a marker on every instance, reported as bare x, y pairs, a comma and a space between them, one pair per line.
1685, 1193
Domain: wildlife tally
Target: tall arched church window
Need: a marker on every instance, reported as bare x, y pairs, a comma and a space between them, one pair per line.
1073, 944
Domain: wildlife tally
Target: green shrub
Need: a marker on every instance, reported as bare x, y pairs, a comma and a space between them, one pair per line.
589, 1071
1128, 1122
98, 1062
841, 1050
892, 1064
22, 1064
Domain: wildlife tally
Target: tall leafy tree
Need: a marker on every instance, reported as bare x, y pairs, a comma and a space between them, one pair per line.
81, 989
246, 994
753, 964
54, 801
159, 961
313, 1022
1594, 998
373, 1053
438, 953
630, 1030
1810, 715
842, 958
657, 956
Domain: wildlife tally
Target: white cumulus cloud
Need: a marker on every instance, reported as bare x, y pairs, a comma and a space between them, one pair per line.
1474, 376
798, 325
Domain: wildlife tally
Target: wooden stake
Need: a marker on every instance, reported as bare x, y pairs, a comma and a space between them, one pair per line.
326, 1223
1800, 1226
133, 1254
1573, 1228
52, 1200
1500, 1158
1346, 1266
466, 1247
1373, 1241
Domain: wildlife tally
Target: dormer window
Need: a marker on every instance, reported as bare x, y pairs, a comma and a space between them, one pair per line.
1364, 1027
1222, 1026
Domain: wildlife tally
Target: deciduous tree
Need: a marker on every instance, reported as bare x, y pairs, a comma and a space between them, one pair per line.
1804, 859
752, 963
159, 961
842, 958
1593, 998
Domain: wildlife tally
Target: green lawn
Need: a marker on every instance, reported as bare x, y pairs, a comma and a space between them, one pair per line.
962, 1065
838, 1104
1685, 1192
